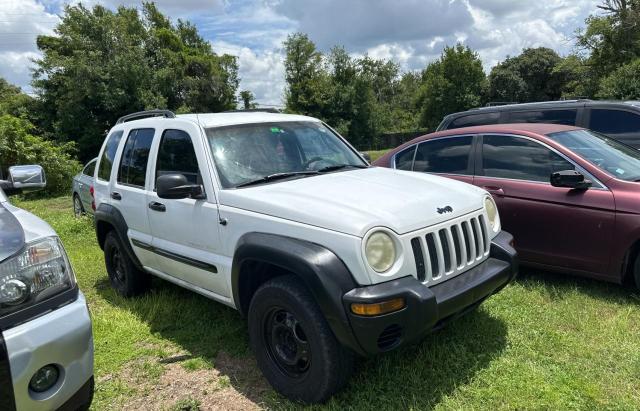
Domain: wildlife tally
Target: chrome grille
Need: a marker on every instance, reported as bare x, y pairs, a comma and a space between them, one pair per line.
450, 248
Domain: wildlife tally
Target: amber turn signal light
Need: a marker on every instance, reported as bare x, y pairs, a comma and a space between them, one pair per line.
383, 307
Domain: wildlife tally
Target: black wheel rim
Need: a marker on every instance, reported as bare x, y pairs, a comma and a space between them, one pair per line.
287, 343
117, 265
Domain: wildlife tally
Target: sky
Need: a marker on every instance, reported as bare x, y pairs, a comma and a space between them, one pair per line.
409, 32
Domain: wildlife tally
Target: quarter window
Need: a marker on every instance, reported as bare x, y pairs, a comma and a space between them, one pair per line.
566, 117
404, 159
135, 156
520, 159
445, 155
109, 154
475, 120
176, 155
89, 168
614, 121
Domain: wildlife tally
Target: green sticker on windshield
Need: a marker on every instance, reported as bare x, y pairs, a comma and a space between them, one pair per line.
276, 130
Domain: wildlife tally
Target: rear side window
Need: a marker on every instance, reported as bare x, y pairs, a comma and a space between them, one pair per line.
109, 154
404, 159
89, 168
614, 121
520, 159
135, 156
177, 155
475, 120
445, 155
566, 117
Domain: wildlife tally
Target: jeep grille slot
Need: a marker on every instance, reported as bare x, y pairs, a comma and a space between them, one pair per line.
444, 252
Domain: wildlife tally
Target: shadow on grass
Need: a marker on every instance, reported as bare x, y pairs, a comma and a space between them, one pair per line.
416, 376
559, 286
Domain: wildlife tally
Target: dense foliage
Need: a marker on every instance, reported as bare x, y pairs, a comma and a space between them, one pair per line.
102, 64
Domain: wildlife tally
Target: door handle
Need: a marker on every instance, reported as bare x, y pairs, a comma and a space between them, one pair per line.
116, 196
156, 206
494, 190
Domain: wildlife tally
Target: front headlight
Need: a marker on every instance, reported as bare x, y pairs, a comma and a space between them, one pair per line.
492, 214
38, 272
380, 251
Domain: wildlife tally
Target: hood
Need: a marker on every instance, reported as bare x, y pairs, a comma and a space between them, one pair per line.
18, 227
352, 202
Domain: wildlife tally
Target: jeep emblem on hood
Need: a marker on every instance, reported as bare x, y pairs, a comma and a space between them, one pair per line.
446, 209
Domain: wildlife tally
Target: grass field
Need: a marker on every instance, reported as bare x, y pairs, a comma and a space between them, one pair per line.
376, 154
546, 342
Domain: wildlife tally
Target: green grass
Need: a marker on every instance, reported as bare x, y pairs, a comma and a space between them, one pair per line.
376, 154
545, 342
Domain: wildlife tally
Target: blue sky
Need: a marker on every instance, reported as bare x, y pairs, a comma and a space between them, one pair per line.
410, 32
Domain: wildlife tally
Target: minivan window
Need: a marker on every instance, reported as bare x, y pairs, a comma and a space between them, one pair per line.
475, 120
177, 155
404, 159
609, 121
106, 161
520, 159
135, 156
566, 117
89, 168
444, 155
605, 153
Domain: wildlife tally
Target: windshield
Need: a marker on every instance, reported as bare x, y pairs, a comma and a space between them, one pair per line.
250, 152
615, 158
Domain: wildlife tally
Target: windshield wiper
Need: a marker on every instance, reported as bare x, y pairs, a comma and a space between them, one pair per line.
276, 176
340, 167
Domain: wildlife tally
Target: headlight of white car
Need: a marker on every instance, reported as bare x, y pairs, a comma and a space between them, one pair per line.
492, 214
38, 272
380, 251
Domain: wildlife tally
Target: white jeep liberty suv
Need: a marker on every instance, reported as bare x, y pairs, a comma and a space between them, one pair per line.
279, 217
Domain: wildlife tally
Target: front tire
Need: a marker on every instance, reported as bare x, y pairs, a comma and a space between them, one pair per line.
293, 343
124, 276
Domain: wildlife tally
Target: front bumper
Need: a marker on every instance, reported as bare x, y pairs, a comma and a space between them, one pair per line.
62, 337
429, 308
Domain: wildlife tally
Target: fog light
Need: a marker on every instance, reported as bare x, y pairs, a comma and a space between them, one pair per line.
45, 378
13, 292
378, 308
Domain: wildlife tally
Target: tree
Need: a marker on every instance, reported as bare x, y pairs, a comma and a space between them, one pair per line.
103, 64
306, 80
530, 76
623, 83
248, 99
452, 83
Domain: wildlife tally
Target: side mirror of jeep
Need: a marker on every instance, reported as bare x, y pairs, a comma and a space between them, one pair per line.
366, 156
570, 179
24, 179
176, 186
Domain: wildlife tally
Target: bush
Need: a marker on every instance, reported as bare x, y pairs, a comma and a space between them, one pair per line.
19, 146
623, 83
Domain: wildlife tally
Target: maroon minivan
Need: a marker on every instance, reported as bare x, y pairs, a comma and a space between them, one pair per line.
570, 196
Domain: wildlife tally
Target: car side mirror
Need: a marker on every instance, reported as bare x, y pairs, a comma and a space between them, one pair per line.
24, 179
366, 156
570, 179
176, 186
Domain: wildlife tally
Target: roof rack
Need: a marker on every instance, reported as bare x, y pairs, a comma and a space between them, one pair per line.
499, 103
146, 113
255, 110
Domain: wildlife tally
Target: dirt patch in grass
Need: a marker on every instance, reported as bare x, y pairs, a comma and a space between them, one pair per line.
232, 384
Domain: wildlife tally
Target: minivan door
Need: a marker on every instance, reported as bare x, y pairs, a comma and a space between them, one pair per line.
186, 231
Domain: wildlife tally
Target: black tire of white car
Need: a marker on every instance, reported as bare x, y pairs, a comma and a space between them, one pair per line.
125, 278
293, 344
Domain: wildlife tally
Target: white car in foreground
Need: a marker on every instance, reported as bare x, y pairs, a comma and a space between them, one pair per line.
279, 217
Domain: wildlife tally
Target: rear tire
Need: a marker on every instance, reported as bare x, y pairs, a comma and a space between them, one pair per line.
636, 272
124, 276
78, 208
293, 343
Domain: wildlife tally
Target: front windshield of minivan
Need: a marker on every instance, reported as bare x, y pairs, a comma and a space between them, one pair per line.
617, 159
253, 153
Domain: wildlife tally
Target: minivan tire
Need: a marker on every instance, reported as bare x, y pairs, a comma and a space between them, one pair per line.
124, 276
293, 343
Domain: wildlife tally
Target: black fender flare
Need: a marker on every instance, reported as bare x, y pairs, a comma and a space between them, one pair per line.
322, 271
106, 213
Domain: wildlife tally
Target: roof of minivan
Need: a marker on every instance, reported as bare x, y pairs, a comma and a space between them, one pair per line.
537, 128
546, 104
231, 118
